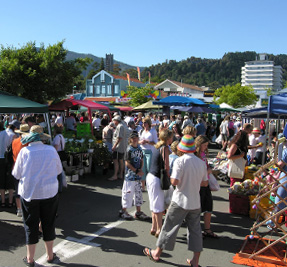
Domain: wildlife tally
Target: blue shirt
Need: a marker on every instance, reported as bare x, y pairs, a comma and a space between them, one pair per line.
200, 129
134, 155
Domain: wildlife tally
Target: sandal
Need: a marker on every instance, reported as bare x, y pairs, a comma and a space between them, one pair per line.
29, 264
209, 233
147, 252
189, 263
54, 258
152, 232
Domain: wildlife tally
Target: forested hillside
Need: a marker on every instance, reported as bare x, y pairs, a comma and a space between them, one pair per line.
209, 72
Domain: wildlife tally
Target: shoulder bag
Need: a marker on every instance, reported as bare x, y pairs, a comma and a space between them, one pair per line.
236, 167
164, 178
62, 154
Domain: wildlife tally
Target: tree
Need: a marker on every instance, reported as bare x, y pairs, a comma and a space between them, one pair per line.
139, 95
102, 65
39, 74
236, 95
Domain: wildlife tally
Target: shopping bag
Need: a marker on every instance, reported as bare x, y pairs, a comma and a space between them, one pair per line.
164, 178
236, 168
213, 183
168, 196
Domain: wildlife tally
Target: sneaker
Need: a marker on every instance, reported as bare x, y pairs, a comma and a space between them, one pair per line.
141, 216
126, 216
19, 213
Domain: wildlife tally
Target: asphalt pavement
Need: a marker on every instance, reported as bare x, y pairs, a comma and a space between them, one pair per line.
90, 233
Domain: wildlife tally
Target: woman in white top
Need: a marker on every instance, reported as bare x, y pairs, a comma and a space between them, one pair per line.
59, 140
148, 138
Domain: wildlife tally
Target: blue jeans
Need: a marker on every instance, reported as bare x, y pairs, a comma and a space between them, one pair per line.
146, 162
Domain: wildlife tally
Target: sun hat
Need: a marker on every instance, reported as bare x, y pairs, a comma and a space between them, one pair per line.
186, 144
39, 130
15, 123
256, 130
24, 128
117, 118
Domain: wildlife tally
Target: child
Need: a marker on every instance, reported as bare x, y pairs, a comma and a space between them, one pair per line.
173, 155
201, 144
132, 183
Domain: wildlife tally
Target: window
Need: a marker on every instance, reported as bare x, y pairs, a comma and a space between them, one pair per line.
103, 89
109, 90
117, 89
97, 89
90, 90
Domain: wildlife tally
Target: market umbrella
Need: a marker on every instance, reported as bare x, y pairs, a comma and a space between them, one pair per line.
147, 105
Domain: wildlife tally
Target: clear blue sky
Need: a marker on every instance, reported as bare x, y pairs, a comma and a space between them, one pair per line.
142, 33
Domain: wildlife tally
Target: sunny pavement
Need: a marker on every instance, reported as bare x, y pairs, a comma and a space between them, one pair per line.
89, 232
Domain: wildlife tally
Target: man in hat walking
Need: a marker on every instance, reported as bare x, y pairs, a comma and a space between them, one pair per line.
188, 174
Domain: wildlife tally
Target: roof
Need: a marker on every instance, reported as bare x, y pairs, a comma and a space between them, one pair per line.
183, 85
125, 78
16, 104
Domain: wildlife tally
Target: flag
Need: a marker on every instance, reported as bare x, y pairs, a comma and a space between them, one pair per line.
139, 73
128, 77
149, 77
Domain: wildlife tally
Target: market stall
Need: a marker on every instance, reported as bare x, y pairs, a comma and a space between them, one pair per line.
14, 104
66, 104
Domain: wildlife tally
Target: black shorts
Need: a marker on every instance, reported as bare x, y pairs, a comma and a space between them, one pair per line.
206, 199
6, 178
117, 155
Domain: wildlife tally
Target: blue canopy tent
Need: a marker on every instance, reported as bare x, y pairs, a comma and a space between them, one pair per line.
195, 109
179, 101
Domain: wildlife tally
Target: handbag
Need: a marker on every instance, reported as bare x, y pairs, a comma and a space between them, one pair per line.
62, 154
164, 179
213, 184
236, 168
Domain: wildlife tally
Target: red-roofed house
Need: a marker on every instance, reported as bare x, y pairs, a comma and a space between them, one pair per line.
181, 89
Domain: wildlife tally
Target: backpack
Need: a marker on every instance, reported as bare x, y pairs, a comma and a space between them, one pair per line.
8, 155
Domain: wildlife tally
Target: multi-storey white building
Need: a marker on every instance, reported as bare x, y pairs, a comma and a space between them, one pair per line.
262, 74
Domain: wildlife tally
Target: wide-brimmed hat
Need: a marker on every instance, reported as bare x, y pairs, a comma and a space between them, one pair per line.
24, 129
256, 130
15, 123
38, 129
186, 144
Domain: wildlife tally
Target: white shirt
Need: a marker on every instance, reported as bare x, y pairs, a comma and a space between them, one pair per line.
59, 120
260, 139
224, 127
59, 141
37, 167
252, 142
96, 123
150, 136
190, 171
128, 119
6, 138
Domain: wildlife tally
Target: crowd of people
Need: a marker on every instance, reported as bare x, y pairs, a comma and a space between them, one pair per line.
140, 145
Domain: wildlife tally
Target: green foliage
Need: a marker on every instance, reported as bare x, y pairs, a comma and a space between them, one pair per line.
132, 72
236, 96
139, 95
39, 74
208, 72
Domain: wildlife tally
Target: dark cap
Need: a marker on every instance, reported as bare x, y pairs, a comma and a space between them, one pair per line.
134, 134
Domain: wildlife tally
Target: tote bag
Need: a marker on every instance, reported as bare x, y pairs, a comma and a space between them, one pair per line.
236, 168
213, 183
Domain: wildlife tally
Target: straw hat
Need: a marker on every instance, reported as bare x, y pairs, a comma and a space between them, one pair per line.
38, 129
186, 144
24, 129
256, 131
